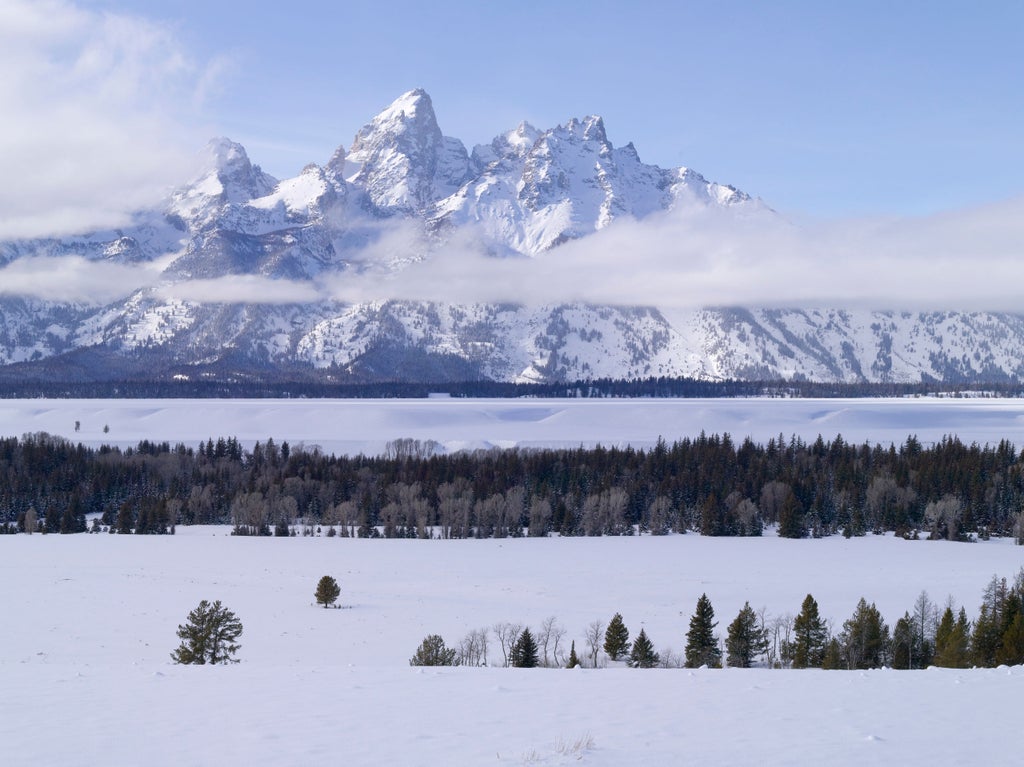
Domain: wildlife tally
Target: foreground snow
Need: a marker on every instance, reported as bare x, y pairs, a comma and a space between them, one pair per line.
89, 623
365, 426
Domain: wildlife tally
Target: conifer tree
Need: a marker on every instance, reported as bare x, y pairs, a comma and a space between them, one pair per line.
433, 652
865, 637
209, 636
951, 640
701, 644
642, 654
524, 652
616, 638
574, 659
833, 657
810, 636
746, 640
327, 591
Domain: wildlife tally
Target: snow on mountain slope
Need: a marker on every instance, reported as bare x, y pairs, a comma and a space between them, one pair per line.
404, 193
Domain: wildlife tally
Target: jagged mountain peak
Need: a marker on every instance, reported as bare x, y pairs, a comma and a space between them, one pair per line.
589, 128
403, 161
240, 179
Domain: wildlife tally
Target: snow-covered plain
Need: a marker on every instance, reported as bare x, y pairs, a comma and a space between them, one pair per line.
89, 620
351, 426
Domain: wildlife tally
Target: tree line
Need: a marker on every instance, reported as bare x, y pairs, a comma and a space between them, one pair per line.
707, 484
924, 636
331, 384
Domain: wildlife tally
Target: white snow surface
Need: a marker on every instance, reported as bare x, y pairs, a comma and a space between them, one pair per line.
354, 426
90, 621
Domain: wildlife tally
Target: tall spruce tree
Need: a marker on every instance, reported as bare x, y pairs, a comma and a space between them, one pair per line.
642, 655
952, 640
810, 636
865, 637
524, 651
616, 638
701, 644
574, 659
746, 640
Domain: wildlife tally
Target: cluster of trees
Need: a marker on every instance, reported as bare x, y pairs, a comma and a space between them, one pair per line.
707, 484
334, 383
925, 636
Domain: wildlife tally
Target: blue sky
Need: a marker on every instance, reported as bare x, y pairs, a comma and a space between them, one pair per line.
889, 132
821, 109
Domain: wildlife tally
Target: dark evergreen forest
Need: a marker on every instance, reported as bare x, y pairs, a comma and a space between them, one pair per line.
327, 384
707, 484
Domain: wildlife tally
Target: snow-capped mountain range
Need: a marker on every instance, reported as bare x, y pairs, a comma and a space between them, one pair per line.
242, 235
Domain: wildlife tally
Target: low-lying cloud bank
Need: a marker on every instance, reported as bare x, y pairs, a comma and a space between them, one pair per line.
967, 260
963, 260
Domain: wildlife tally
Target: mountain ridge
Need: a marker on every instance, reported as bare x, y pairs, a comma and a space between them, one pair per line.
266, 251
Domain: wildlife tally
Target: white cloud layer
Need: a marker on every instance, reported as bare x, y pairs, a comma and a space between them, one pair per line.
95, 114
967, 260
964, 260
242, 289
73, 279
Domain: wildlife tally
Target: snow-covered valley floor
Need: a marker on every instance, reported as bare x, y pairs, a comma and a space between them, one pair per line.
90, 620
353, 426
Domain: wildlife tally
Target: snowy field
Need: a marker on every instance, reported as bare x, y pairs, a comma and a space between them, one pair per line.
365, 426
89, 622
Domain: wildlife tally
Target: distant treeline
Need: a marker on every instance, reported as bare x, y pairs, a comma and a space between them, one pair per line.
255, 387
709, 485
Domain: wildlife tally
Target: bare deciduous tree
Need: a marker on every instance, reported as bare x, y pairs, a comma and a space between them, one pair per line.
506, 634
472, 650
549, 637
595, 638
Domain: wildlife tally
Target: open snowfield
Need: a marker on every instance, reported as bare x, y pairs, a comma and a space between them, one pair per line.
89, 622
365, 426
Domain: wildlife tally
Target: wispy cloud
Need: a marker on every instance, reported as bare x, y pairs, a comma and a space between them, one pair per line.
99, 116
73, 279
242, 289
965, 260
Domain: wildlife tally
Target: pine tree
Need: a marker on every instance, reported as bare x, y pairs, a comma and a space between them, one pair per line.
951, 640
573, 658
746, 640
985, 638
865, 637
209, 636
327, 591
701, 644
810, 636
433, 652
643, 655
616, 638
1011, 645
524, 652
832, 660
